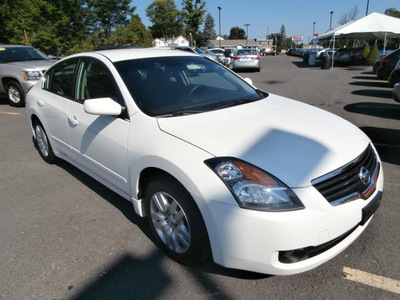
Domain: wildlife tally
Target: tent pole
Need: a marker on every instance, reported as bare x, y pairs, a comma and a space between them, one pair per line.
333, 50
384, 44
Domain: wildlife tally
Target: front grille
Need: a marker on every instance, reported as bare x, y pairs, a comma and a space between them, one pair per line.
355, 180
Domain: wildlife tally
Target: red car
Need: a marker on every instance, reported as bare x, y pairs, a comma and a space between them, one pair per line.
267, 51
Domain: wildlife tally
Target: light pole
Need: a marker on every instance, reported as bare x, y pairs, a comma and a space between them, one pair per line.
313, 31
219, 18
247, 32
366, 12
330, 24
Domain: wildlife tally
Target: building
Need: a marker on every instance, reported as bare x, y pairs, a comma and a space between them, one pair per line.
174, 41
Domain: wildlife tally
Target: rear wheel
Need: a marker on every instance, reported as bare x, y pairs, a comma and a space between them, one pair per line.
15, 94
176, 222
43, 144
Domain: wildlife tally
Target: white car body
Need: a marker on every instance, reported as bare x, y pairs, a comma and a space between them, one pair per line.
296, 143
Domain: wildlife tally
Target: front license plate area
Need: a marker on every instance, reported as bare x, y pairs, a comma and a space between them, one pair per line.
371, 208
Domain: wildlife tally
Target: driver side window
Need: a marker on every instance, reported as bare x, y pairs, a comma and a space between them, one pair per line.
96, 81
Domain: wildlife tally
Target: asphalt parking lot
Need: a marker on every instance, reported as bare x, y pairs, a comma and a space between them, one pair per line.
65, 236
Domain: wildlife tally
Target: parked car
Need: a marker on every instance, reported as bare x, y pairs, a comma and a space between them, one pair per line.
20, 68
268, 51
196, 50
396, 92
387, 64
394, 76
218, 167
246, 59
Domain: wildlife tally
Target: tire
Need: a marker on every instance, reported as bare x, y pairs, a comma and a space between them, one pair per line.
42, 143
15, 94
175, 221
393, 80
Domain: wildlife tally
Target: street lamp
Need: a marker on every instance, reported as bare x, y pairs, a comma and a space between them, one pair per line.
313, 30
330, 24
366, 12
247, 32
219, 16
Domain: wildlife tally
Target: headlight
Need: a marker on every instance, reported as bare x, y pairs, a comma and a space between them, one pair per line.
31, 75
254, 188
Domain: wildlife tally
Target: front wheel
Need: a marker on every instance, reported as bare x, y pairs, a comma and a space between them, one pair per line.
15, 94
43, 144
176, 222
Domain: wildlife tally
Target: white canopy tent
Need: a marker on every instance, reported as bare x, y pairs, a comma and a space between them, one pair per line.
373, 26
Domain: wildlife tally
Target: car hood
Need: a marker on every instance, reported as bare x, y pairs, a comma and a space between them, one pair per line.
293, 141
34, 64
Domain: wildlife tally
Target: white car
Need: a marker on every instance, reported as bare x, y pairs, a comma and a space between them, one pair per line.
219, 168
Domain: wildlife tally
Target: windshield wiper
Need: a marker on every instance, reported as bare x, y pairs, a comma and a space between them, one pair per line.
178, 113
238, 102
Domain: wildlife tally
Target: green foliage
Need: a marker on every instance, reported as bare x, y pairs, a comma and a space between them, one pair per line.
373, 55
392, 12
208, 31
166, 18
193, 13
237, 33
364, 54
134, 34
63, 27
106, 15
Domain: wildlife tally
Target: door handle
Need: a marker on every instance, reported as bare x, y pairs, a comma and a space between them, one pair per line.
40, 102
73, 121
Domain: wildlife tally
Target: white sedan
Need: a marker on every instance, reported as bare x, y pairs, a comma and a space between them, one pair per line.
219, 168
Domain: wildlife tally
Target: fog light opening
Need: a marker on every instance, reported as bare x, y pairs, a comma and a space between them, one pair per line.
293, 256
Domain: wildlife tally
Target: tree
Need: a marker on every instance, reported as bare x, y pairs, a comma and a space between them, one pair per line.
166, 18
106, 15
208, 31
350, 16
283, 33
54, 26
364, 54
392, 12
134, 34
237, 33
373, 55
193, 13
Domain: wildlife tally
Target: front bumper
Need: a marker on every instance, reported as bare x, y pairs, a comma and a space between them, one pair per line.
259, 241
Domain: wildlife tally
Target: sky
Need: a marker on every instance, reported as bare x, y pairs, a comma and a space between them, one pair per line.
269, 16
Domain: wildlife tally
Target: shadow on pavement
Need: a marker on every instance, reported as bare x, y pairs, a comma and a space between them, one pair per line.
379, 84
376, 109
133, 278
386, 141
387, 94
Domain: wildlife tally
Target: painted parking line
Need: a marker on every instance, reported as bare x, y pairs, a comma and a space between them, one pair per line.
9, 113
373, 280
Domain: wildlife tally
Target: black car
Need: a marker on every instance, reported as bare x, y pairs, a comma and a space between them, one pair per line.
387, 65
394, 77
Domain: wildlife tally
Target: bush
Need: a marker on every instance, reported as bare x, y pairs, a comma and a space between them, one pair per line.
364, 54
373, 55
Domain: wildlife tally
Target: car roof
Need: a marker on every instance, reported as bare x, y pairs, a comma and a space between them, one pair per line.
127, 54
13, 46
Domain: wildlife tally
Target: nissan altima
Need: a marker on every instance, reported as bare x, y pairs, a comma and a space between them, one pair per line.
220, 169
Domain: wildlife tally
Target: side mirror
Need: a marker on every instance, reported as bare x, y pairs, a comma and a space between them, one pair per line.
102, 106
248, 80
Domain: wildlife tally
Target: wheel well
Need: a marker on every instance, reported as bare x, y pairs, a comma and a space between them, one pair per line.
147, 175
6, 80
34, 120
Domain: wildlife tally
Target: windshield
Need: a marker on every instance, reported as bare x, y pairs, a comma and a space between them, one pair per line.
12, 54
167, 86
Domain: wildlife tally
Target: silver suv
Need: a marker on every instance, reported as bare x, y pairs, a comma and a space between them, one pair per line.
20, 68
